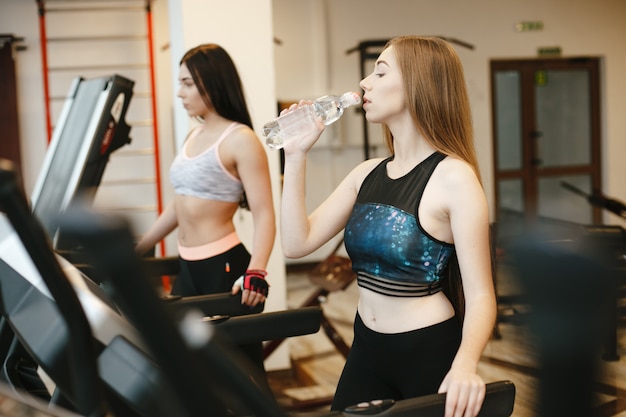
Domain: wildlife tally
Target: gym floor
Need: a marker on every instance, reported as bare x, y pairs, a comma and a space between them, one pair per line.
511, 355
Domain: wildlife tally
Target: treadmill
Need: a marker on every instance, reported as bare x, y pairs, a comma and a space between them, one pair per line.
90, 128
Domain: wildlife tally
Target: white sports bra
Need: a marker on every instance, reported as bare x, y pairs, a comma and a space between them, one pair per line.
204, 175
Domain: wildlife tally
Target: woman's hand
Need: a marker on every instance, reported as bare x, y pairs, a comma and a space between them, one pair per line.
465, 392
253, 286
303, 135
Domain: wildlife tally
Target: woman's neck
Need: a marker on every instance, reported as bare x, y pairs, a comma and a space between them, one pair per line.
409, 145
213, 122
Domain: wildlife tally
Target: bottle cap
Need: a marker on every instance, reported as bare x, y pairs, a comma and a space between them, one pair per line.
351, 98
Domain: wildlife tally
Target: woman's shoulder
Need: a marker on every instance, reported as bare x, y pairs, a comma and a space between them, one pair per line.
456, 177
236, 128
454, 168
238, 134
242, 142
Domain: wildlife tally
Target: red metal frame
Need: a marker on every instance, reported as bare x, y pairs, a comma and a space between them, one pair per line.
155, 126
155, 130
44, 64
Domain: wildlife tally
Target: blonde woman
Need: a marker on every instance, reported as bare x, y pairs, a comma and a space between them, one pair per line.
410, 221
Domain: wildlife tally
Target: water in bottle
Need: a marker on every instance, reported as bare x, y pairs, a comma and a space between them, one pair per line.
329, 108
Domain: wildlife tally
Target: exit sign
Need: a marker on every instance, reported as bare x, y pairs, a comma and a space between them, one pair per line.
549, 51
529, 26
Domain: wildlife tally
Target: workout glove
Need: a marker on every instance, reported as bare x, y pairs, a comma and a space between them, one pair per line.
254, 280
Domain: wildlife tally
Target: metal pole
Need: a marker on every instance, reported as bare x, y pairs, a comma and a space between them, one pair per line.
44, 62
155, 130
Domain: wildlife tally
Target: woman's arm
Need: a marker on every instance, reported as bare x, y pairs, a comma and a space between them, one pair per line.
302, 234
469, 221
253, 170
163, 226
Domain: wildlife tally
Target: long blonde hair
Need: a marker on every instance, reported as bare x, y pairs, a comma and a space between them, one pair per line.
436, 96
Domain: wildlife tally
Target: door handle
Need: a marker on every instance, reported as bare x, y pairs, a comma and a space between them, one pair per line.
535, 135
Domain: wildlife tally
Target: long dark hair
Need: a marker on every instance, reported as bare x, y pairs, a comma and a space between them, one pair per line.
217, 79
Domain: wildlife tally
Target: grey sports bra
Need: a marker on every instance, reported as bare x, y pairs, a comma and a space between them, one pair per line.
204, 176
391, 253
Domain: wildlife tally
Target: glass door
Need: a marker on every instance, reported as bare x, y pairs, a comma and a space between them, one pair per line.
546, 138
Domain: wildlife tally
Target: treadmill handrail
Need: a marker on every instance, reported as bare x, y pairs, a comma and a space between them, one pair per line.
89, 394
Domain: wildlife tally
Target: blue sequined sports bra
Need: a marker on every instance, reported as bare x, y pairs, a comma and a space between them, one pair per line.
391, 253
204, 176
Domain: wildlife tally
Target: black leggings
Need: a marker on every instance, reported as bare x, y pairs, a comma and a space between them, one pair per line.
216, 275
213, 275
396, 366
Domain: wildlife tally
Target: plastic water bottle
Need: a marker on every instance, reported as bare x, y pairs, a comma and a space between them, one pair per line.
330, 108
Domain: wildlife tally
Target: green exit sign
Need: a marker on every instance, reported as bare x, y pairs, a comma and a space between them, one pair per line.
549, 51
529, 26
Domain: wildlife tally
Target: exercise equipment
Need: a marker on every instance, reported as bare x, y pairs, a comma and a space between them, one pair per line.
110, 241
14, 404
599, 200
570, 291
134, 385
606, 242
90, 127
193, 362
146, 388
56, 336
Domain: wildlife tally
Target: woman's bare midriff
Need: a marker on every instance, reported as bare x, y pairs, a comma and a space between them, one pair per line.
203, 221
385, 314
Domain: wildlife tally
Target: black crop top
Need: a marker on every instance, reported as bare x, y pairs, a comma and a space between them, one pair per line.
391, 253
